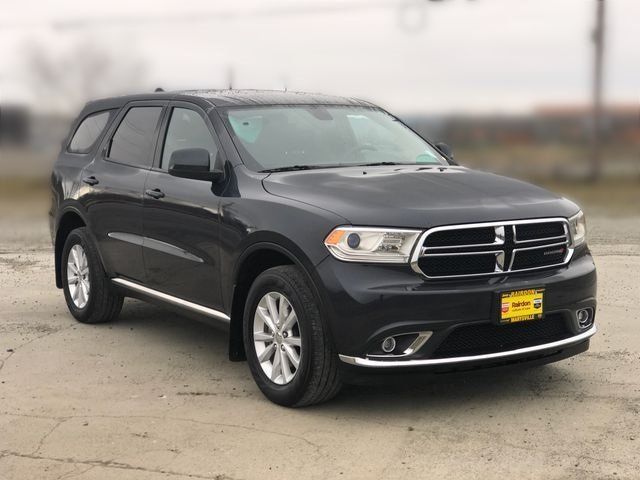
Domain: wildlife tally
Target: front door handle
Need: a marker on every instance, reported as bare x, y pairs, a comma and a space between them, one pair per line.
90, 180
155, 193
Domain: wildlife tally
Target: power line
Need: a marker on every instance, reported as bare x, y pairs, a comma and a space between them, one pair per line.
282, 10
215, 15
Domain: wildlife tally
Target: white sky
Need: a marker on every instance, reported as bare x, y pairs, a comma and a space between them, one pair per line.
468, 56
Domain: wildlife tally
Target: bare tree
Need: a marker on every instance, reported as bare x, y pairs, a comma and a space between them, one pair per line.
62, 82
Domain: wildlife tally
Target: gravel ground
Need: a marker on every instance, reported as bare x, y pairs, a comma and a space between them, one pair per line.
154, 396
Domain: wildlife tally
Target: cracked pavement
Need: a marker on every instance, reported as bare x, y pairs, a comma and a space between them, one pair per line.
154, 396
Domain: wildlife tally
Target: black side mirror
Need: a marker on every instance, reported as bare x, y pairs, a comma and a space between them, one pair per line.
445, 150
194, 163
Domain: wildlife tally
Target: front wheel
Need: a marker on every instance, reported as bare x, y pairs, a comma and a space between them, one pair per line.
288, 347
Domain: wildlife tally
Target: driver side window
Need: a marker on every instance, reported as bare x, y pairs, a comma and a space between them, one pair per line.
187, 129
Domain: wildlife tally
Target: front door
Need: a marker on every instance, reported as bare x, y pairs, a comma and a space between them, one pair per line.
181, 216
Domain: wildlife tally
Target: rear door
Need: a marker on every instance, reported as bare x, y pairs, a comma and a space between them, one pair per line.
116, 182
181, 215
80, 150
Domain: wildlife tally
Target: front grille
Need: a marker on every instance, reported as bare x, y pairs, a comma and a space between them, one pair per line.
538, 257
480, 339
435, 266
493, 248
471, 236
537, 231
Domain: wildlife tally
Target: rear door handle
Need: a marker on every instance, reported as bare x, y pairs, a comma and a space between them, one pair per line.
155, 193
90, 180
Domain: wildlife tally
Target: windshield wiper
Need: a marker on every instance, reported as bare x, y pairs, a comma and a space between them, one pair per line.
375, 164
293, 168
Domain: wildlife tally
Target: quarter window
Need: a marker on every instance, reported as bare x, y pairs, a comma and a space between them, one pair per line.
88, 132
134, 139
187, 129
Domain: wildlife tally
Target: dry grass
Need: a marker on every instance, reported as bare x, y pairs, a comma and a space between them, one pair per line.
619, 196
616, 197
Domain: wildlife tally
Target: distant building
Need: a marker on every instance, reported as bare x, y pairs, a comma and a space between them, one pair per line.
22, 128
14, 125
573, 123
547, 124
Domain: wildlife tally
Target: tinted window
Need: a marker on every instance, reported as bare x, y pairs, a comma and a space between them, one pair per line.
187, 129
133, 141
89, 131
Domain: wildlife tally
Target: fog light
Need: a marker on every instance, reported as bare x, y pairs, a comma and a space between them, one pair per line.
388, 345
584, 317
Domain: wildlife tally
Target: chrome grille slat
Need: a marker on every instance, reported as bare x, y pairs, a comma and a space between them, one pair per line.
505, 247
545, 239
565, 234
498, 239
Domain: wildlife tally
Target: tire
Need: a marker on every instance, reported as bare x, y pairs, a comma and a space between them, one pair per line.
90, 296
316, 378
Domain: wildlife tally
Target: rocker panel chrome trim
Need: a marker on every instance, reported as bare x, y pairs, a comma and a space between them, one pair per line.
210, 312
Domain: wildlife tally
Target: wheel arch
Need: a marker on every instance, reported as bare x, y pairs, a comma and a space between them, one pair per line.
70, 219
254, 260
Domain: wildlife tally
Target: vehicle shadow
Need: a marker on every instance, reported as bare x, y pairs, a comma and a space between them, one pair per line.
161, 328
440, 391
496, 393
400, 394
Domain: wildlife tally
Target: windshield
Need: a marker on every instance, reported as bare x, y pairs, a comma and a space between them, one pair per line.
300, 137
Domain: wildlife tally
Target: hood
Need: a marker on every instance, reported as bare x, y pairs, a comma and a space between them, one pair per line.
417, 196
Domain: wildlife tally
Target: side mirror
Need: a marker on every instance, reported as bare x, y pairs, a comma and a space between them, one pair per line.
445, 150
193, 163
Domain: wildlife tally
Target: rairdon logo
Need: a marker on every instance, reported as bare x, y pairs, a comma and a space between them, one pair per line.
554, 252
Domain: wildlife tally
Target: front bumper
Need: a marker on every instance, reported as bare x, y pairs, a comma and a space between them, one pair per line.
496, 357
366, 303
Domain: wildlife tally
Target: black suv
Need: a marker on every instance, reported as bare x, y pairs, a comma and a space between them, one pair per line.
329, 238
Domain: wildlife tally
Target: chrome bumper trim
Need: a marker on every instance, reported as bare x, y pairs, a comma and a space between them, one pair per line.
210, 312
367, 362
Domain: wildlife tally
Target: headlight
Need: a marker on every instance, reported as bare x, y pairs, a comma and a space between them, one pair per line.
365, 244
578, 229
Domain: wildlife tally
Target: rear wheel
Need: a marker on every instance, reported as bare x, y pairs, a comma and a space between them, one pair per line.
88, 292
288, 347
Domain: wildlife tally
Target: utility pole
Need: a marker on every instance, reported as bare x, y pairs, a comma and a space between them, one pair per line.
596, 127
230, 77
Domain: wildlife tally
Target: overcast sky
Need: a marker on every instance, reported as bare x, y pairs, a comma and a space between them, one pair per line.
455, 55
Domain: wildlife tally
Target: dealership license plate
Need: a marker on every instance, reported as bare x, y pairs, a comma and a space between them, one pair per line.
521, 305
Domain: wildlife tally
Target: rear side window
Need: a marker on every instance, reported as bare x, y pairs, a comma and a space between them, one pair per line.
89, 131
134, 139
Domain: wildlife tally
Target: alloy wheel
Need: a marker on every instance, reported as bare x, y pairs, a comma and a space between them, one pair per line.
78, 276
276, 338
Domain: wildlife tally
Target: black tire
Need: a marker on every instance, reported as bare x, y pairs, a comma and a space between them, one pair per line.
317, 378
104, 303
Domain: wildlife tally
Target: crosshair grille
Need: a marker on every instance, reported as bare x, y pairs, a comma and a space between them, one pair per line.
494, 248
